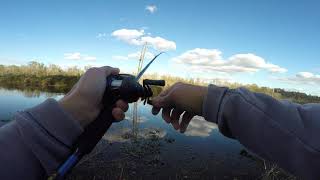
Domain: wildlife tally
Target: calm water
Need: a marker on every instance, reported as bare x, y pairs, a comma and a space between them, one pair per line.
151, 148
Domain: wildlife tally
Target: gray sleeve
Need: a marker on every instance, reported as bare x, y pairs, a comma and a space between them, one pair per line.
36, 141
280, 131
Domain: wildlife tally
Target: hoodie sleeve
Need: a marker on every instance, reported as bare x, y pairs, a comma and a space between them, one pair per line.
37, 141
280, 131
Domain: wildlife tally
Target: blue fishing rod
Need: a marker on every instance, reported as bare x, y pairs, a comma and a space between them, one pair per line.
122, 86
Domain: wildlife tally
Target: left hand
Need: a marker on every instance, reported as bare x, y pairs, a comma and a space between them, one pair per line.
180, 100
83, 101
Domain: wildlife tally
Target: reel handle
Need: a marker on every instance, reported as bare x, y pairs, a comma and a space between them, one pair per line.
154, 82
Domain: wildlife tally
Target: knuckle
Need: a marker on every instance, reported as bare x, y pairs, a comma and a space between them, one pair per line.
107, 68
178, 84
92, 70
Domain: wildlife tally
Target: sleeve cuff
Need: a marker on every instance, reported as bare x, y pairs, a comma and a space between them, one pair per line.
57, 122
212, 102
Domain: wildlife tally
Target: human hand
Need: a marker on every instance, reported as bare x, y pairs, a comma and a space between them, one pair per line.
180, 99
83, 101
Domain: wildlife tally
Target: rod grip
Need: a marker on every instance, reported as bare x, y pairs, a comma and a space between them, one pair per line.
95, 131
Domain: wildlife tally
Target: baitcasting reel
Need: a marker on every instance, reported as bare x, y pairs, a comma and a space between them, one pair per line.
122, 86
125, 87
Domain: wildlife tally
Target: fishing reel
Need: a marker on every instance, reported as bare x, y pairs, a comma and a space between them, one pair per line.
121, 86
125, 87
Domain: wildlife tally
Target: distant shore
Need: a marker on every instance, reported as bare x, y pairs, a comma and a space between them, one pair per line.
52, 78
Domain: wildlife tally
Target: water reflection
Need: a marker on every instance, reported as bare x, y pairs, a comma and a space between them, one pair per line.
31, 93
200, 127
141, 119
197, 127
126, 134
123, 131
157, 148
13, 100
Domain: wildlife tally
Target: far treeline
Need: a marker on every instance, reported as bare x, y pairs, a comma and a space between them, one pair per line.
53, 78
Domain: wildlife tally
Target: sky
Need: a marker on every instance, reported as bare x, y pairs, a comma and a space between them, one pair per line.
268, 42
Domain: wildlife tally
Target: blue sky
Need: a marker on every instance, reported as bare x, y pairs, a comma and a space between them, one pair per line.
271, 43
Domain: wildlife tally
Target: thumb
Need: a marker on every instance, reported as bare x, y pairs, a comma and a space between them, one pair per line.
110, 70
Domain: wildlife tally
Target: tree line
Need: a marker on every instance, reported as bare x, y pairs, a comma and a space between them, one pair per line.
53, 78
34, 68
37, 76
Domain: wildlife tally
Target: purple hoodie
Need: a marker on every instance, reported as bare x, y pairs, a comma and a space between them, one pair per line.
35, 143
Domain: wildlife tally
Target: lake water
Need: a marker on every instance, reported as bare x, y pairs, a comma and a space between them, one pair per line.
151, 148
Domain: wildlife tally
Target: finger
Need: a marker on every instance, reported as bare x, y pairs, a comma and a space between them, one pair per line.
155, 110
110, 70
175, 116
186, 118
118, 114
161, 102
115, 71
163, 99
156, 100
122, 105
166, 114
165, 92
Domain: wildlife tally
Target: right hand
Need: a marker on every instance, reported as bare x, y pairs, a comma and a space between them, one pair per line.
83, 101
180, 99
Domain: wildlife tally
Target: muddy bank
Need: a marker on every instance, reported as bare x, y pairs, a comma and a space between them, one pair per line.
153, 155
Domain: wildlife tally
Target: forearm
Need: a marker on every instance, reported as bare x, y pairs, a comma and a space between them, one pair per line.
37, 141
283, 132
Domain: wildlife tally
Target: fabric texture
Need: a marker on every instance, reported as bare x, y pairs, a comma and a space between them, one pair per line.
280, 131
37, 141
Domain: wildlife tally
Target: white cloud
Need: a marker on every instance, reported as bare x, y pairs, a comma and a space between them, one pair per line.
79, 56
151, 8
138, 37
307, 75
210, 60
133, 56
302, 78
159, 43
129, 36
101, 35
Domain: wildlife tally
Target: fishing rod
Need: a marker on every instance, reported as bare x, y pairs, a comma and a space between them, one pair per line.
121, 86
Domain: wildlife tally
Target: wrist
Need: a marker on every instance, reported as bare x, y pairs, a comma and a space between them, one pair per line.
201, 92
80, 110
